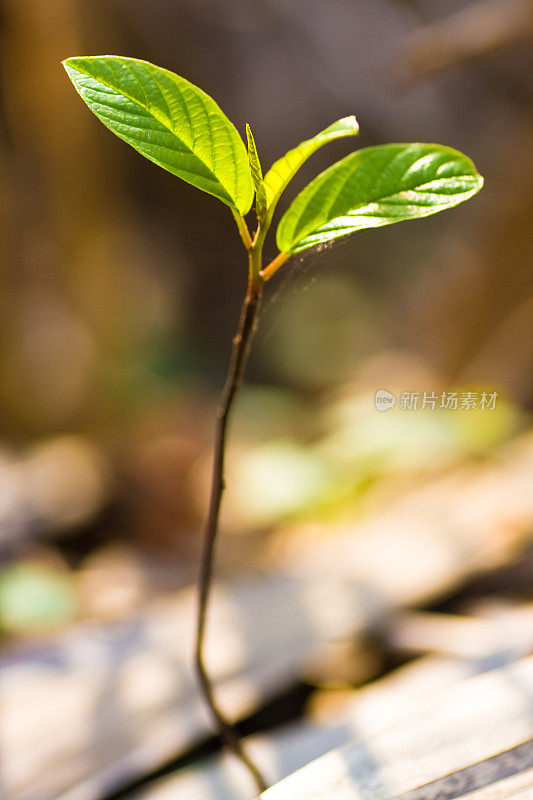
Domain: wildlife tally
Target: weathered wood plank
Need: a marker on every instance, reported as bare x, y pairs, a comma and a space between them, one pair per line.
408, 694
499, 627
477, 736
114, 701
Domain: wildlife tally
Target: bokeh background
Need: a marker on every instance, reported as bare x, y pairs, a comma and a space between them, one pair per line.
121, 288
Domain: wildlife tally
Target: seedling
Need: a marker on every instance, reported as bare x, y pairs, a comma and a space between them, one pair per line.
179, 127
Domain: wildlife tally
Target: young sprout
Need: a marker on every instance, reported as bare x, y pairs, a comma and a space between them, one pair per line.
180, 128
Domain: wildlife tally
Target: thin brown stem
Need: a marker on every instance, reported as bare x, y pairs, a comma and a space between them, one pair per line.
239, 357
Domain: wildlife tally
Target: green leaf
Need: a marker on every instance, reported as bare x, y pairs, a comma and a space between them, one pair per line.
169, 120
284, 170
257, 175
377, 186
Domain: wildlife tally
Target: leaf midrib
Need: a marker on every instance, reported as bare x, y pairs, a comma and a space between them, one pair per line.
353, 213
378, 199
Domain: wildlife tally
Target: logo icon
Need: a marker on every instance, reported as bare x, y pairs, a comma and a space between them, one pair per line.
384, 400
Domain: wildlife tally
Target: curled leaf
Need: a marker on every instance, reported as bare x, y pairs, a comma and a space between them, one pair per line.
257, 175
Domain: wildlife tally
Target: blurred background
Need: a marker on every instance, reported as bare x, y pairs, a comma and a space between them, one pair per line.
121, 288
121, 285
